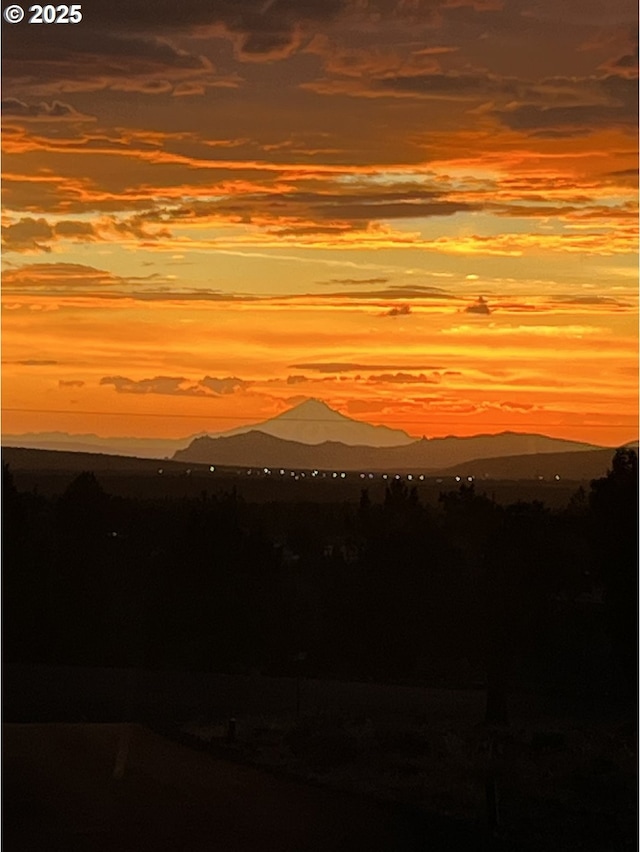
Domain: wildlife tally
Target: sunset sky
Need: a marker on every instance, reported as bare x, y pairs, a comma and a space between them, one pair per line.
423, 212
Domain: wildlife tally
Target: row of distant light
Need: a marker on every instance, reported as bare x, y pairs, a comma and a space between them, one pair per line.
314, 473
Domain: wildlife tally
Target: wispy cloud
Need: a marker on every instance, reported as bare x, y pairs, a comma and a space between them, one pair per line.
42, 111
480, 306
398, 311
176, 386
33, 362
405, 379
605, 301
346, 367
355, 282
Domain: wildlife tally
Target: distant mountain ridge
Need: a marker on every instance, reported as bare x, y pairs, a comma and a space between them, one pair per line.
89, 443
590, 464
258, 449
314, 422
310, 422
310, 435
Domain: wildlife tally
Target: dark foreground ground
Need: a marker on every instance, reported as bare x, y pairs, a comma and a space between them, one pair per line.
361, 766
60, 793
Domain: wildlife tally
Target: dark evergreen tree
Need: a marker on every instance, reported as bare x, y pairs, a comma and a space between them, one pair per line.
614, 534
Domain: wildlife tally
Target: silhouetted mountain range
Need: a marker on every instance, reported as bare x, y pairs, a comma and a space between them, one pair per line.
310, 422
313, 435
314, 422
63, 461
153, 448
256, 449
575, 466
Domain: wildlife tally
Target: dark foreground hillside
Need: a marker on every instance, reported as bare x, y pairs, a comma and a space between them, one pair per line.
387, 769
49, 473
60, 793
502, 619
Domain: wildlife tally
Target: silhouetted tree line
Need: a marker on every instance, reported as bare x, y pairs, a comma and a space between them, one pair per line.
393, 590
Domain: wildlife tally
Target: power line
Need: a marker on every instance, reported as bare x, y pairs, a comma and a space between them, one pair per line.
315, 419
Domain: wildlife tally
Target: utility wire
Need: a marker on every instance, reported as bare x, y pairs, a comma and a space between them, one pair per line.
396, 423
